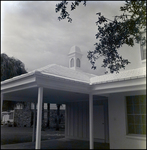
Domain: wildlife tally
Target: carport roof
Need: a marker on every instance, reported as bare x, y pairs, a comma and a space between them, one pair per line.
58, 71
80, 76
62, 83
124, 75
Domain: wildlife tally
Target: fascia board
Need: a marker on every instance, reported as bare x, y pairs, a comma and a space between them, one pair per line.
119, 90
19, 87
26, 81
54, 82
17, 77
119, 85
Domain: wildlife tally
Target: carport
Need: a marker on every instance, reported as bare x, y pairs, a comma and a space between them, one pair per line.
42, 86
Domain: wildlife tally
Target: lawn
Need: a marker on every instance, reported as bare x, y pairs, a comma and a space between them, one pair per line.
12, 135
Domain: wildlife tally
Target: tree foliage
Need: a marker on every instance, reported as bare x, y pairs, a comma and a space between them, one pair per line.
113, 34
11, 67
57, 120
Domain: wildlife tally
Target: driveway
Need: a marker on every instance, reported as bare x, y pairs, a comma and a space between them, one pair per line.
21, 138
62, 143
12, 135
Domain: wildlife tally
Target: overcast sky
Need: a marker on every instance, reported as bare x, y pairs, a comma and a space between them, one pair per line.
31, 32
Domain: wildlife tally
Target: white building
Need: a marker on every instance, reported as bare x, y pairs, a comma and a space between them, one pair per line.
7, 116
109, 108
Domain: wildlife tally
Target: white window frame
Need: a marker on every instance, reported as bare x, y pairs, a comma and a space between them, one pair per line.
132, 135
143, 51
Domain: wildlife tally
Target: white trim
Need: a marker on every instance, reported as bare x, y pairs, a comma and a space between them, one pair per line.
39, 118
34, 123
1, 104
143, 61
91, 121
121, 86
136, 136
17, 77
66, 85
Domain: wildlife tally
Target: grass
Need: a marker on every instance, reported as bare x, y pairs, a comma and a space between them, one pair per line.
13, 135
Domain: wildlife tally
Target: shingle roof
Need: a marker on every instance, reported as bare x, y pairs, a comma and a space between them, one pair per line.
124, 75
78, 75
64, 72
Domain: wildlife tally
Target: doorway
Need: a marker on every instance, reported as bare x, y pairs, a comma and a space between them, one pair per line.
99, 127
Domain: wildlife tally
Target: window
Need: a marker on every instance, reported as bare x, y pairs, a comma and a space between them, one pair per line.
78, 62
143, 47
143, 54
136, 114
72, 62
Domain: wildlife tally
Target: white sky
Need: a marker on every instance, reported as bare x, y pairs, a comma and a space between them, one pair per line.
31, 31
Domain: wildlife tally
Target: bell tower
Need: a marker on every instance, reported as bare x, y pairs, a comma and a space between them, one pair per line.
75, 56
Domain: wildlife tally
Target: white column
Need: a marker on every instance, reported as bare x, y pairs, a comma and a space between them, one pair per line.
39, 118
1, 104
66, 121
91, 121
34, 123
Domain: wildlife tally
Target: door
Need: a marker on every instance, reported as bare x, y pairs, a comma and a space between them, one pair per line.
98, 120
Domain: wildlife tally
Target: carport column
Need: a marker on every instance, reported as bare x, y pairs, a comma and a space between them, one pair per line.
1, 104
39, 118
34, 123
91, 120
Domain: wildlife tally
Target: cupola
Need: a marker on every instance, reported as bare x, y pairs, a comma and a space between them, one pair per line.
75, 56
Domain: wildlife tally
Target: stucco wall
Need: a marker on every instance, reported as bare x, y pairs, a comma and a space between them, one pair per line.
117, 125
127, 52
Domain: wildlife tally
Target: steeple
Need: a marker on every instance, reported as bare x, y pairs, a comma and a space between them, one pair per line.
75, 56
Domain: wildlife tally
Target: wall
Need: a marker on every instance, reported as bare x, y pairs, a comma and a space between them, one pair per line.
77, 121
117, 125
133, 54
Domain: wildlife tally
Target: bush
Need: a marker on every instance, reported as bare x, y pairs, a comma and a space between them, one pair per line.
15, 125
9, 123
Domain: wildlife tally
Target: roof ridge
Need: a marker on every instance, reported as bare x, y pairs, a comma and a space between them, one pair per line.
45, 67
70, 69
80, 71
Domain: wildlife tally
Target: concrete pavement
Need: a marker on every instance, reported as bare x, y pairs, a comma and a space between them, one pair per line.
62, 143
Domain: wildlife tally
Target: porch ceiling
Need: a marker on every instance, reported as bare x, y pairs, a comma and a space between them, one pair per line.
49, 96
